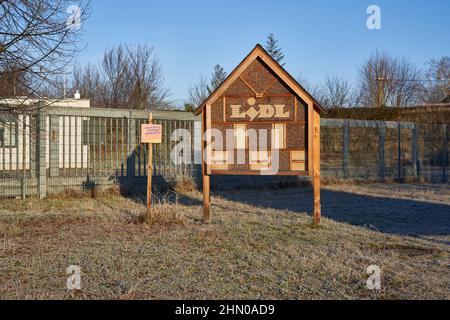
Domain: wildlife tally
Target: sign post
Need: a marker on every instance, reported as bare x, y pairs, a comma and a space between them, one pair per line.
150, 133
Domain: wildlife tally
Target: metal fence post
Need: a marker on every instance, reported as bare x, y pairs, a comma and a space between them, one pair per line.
54, 146
381, 152
33, 151
23, 134
415, 152
346, 149
445, 155
399, 152
131, 157
41, 166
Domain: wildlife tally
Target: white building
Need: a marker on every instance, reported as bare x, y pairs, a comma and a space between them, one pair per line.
15, 136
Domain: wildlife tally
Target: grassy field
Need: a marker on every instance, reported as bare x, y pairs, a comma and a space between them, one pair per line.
248, 252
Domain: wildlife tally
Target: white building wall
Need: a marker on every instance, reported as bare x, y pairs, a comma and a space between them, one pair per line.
12, 158
72, 154
197, 142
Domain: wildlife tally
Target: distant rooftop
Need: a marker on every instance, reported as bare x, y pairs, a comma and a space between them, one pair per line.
66, 102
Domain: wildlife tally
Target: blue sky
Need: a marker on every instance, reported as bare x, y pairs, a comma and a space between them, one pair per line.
318, 37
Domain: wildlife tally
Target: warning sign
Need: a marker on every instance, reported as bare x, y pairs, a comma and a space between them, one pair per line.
151, 133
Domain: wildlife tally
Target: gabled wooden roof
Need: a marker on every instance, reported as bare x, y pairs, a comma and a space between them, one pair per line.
260, 52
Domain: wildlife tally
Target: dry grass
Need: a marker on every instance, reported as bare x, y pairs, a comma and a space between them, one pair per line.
336, 181
437, 193
163, 214
184, 184
247, 252
70, 193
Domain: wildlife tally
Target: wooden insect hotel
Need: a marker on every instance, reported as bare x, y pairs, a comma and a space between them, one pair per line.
260, 121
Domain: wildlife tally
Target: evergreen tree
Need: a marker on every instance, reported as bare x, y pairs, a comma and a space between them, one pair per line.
217, 77
189, 107
274, 49
204, 87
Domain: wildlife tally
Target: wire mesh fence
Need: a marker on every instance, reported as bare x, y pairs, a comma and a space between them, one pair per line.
380, 150
61, 148
67, 148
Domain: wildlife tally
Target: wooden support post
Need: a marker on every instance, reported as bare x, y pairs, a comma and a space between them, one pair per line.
149, 168
206, 199
316, 167
310, 141
206, 177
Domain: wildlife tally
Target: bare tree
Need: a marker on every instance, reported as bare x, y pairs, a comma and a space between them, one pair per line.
338, 93
12, 79
407, 89
88, 82
130, 77
385, 80
38, 39
198, 92
313, 89
373, 75
438, 80
147, 82
115, 68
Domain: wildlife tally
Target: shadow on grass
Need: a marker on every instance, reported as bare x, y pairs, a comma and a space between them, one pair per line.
387, 215
166, 196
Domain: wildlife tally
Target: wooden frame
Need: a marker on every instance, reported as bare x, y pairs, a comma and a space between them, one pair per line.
312, 121
149, 169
